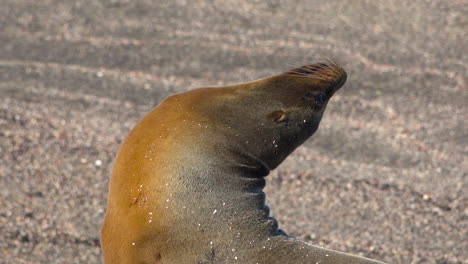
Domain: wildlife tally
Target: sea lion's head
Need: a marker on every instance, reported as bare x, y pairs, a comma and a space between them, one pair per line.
296, 102
265, 120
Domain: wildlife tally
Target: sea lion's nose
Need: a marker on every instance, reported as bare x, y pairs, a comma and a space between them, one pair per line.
340, 81
332, 73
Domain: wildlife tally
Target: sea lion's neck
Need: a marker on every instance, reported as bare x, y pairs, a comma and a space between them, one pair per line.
229, 190
219, 210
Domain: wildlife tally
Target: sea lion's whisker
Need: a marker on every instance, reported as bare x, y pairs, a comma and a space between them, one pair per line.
315, 74
302, 73
306, 76
312, 67
330, 72
305, 69
331, 62
334, 69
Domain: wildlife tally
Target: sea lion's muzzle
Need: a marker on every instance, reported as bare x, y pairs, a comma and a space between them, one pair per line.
326, 75
331, 73
340, 80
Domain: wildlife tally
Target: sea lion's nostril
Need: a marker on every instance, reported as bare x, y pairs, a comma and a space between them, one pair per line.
318, 97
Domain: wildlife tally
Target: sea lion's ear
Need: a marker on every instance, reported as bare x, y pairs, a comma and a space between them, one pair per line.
278, 116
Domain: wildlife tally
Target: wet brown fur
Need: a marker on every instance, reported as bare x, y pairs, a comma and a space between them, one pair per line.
187, 182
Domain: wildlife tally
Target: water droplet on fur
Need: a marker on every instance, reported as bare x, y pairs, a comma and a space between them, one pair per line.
215, 211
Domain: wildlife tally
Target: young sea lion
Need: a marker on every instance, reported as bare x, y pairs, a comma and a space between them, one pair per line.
187, 182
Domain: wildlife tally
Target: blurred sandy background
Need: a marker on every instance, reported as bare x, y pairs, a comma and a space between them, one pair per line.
386, 176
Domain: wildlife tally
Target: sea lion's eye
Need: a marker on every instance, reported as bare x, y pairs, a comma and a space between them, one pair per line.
278, 116
319, 97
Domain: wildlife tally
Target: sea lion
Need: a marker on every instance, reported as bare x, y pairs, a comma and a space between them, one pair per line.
187, 182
